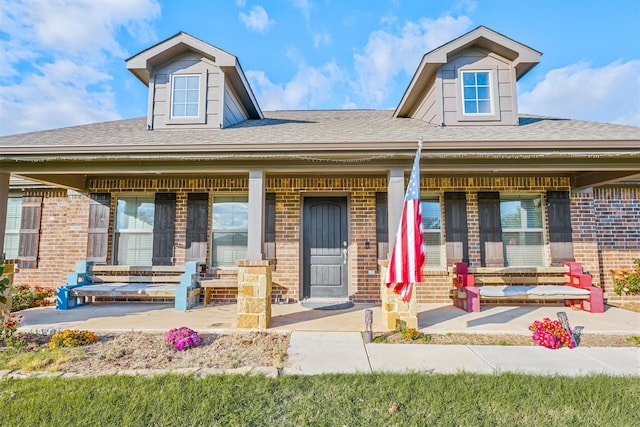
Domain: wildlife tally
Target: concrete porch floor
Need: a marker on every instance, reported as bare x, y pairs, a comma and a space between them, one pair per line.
432, 318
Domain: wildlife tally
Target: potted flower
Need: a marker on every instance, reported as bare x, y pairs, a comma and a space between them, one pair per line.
551, 334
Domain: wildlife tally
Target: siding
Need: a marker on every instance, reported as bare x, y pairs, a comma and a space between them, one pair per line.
161, 92
430, 109
234, 112
503, 88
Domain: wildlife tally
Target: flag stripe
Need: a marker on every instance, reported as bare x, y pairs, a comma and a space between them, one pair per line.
408, 255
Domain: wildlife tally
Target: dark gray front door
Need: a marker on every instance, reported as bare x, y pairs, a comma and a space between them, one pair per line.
325, 257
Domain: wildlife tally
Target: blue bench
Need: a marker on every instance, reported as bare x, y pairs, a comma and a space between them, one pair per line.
116, 282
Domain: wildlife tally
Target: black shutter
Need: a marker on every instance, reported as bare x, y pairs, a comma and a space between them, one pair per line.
382, 225
30, 231
491, 254
455, 214
98, 231
270, 226
164, 228
197, 226
559, 213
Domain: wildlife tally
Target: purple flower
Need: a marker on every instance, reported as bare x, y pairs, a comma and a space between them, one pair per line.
182, 338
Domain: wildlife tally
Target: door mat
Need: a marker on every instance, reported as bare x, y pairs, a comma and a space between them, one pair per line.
326, 305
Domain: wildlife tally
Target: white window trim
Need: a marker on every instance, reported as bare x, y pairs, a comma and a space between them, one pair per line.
130, 231
542, 230
431, 197
493, 90
13, 232
492, 109
202, 113
223, 230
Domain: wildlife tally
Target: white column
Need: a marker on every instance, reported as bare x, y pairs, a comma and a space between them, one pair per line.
4, 200
395, 199
256, 215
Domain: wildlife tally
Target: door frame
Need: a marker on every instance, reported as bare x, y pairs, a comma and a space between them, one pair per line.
301, 260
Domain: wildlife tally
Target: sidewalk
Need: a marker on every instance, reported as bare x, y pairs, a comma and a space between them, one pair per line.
312, 353
331, 341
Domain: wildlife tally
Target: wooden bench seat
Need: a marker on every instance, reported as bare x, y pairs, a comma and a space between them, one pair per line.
520, 280
141, 283
567, 283
222, 279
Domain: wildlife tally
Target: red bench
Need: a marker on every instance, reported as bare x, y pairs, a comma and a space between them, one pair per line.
568, 283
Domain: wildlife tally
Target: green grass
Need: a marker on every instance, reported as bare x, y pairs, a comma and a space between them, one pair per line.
634, 339
323, 400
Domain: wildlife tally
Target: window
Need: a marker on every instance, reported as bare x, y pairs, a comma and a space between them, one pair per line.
476, 92
382, 225
12, 231
522, 230
431, 231
229, 230
185, 98
134, 230
270, 227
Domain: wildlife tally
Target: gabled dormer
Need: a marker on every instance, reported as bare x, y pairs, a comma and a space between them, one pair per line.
469, 81
193, 84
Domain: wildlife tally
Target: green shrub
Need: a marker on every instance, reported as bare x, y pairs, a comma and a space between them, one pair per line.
25, 296
627, 281
4, 283
8, 331
72, 338
411, 334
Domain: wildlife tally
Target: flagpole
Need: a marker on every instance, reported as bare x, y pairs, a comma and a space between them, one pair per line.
407, 256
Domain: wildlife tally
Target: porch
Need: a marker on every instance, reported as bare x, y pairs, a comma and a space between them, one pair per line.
432, 318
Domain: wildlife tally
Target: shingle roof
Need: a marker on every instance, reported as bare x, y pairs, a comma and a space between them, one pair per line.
289, 129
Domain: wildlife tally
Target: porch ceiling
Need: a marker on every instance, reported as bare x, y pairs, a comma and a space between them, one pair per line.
585, 169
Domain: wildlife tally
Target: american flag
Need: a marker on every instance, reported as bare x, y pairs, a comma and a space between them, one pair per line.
408, 254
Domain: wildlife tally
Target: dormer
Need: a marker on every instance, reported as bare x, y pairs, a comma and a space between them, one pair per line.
469, 81
193, 84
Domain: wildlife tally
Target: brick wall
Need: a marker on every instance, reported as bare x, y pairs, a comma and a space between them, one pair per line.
605, 231
63, 238
613, 230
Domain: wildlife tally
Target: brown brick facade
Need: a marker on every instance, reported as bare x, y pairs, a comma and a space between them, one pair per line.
609, 232
605, 231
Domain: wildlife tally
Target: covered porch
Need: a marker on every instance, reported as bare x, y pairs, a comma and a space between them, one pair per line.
221, 318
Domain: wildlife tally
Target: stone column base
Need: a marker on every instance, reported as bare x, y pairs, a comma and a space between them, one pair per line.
396, 314
254, 294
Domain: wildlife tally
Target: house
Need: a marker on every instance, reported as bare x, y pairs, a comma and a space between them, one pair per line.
208, 176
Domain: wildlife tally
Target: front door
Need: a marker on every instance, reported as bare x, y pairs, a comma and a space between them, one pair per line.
325, 256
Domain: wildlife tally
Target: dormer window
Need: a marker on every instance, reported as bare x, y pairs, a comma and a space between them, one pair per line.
476, 92
185, 99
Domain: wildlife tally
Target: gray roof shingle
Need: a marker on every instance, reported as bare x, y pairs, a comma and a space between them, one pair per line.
297, 128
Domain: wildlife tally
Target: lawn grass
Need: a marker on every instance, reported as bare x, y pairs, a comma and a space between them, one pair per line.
323, 400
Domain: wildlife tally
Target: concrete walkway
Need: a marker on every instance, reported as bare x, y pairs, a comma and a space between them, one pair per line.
312, 353
331, 341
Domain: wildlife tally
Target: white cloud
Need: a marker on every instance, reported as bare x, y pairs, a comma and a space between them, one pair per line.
387, 54
257, 19
304, 7
55, 97
606, 94
321, 39
55, 57
307, 89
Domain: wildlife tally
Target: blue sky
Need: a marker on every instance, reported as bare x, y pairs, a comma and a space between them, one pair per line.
62, 61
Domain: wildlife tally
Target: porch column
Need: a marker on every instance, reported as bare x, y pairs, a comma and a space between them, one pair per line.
4, 200
395, 199
256, 215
